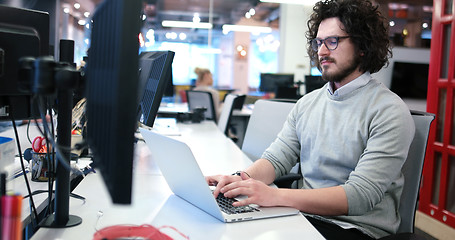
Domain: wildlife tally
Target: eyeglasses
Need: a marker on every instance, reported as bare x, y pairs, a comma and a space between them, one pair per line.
330, 42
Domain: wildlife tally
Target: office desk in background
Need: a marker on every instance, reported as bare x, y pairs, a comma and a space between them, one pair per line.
154, 203
238, 123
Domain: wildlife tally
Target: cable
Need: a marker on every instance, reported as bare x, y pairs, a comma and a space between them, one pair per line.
76, 196
32, 203
28, 132
62, 159
51, 164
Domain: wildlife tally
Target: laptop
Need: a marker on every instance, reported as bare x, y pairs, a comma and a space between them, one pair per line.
183, 175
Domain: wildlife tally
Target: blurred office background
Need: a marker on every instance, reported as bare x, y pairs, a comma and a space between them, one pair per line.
240, 40
236, 39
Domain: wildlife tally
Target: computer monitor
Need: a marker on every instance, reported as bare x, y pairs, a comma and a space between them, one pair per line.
270, 81
23, 32
410, 80
155, 74
313, 82
169, 90
112, 93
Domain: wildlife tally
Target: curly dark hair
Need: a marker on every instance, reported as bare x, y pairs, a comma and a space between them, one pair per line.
365, 25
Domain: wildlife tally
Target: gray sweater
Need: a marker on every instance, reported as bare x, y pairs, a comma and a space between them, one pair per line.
359, 141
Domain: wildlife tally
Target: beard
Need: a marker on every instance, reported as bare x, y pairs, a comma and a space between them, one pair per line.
340, 75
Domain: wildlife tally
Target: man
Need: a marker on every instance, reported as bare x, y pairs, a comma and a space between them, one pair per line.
351, 137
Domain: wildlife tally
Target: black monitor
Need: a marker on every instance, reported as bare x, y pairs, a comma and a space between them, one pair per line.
270, 81
169, 90
155, 75
313, 82
410, 80
23, 33
112, 93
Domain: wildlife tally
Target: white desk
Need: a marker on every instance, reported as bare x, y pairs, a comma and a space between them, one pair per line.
239, 119
154, 203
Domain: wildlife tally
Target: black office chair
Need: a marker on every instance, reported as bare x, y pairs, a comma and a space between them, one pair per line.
202, 99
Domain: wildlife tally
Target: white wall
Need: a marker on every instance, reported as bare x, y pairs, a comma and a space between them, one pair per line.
293, 57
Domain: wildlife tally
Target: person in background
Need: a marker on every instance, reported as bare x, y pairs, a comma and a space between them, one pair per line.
204, 82
351, 137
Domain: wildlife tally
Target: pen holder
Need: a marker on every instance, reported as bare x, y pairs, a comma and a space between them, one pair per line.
40, 166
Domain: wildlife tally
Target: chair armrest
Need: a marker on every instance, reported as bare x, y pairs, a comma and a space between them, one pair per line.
287, 180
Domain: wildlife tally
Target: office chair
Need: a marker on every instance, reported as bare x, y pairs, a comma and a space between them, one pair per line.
265, 123
202, 99
412, 171
230, 102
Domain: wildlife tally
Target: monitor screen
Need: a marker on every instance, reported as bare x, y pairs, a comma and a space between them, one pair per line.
112, 93
270, 81
155, 75
410, 80
23, 33
313, 82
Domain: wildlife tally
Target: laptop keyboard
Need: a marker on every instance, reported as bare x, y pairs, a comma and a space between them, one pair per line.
226, 205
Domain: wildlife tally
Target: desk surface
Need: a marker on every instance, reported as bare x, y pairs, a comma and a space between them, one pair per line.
155, 204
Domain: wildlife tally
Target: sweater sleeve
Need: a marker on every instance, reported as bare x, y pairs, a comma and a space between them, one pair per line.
391, 132
283, 153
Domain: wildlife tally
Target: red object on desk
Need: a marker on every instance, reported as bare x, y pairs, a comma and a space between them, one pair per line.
11, 217
128, 231
39, 145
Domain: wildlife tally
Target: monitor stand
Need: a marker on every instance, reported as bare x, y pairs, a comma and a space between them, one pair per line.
61, 218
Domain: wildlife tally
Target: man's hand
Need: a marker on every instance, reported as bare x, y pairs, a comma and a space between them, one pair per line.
256, 191
220, 181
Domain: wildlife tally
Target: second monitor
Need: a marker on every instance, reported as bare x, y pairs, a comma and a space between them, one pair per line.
271, 81
155, 73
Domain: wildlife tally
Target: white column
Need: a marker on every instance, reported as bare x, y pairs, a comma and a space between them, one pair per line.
293, 57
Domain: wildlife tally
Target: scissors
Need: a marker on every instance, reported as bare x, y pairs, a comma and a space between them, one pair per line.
39, 145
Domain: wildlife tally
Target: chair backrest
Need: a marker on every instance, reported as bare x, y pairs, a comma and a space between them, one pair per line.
412, 170
202, 99
265, 123
230, 101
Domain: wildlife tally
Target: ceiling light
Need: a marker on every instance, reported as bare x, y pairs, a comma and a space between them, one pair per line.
297, 2
183, 24
182, 36
405, 32
196, 18
245, 28
77, 6
86, 14
150, 34
171, 35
